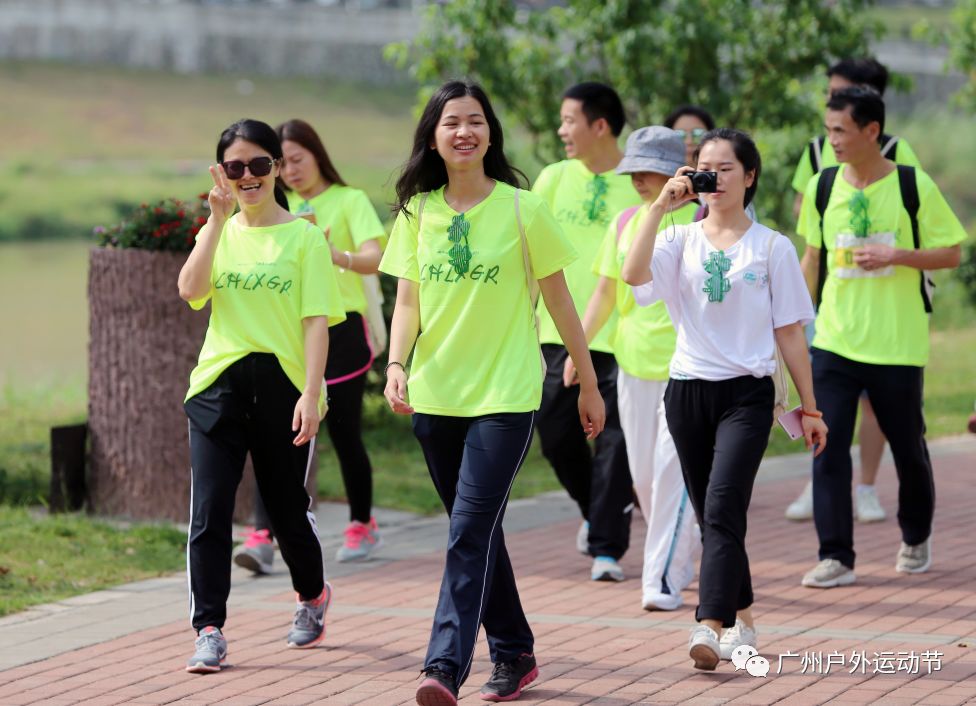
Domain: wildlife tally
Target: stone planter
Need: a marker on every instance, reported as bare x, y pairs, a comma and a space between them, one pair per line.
144, 342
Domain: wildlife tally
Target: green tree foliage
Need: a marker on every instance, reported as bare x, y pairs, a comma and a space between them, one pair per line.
962, 49
746, 61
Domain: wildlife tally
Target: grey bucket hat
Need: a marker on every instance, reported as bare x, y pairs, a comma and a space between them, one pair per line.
653, 149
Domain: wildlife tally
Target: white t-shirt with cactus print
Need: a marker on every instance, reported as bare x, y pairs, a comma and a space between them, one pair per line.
725, 303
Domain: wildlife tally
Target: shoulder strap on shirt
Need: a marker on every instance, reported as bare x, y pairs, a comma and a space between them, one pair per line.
889, 146
625, 218
530, 279
825, 184
816, 153
420, 212
908, 186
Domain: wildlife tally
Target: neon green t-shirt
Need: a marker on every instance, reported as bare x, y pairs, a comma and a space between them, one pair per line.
583, 204
351, 220
644, 338
477, 351
264, 282
804, 168
875, 316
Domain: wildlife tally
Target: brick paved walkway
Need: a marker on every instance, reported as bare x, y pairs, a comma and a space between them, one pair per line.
594, 643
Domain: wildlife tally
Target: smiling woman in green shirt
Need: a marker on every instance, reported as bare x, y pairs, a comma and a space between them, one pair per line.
355, 238
468, 247
258, 384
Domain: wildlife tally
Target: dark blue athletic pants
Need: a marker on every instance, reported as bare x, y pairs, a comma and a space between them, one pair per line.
473, 462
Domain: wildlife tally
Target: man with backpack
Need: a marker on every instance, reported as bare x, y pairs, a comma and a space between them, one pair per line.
872, 229
819, 155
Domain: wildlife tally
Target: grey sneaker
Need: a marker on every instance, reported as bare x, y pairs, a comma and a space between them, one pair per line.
211, 652
914, 558
703, 647
867, 506
308, 627
606, 569
583, 538
257, 553
736, 636
829, 573
801, 509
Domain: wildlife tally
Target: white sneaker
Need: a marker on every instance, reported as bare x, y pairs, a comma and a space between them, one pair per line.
801, 509
736, 636
914, 558
829, 573
606, 568
703, 647
867, 506
583, 538
661, 601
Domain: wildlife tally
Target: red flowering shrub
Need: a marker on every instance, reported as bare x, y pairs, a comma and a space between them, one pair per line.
169, 225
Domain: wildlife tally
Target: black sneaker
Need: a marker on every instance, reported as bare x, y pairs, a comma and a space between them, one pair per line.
437, 688
509, 678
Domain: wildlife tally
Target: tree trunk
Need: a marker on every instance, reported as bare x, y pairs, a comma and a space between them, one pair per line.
144, 342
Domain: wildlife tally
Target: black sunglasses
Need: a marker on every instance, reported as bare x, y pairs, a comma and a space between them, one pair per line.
259, 166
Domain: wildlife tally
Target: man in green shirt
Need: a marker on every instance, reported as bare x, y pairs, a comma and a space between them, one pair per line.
584, 192
872, 327
817, 155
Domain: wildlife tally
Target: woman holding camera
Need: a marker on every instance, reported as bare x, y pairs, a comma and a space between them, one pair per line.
468, 247
258, 384
734, 291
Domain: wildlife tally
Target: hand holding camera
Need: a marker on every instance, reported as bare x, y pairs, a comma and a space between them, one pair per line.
684, 187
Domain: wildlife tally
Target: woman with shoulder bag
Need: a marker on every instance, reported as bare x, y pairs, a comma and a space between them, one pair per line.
468, 247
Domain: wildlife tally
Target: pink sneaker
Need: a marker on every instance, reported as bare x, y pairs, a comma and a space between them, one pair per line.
361, 540
257, 552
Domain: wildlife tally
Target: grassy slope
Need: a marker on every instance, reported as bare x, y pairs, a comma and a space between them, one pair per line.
92, 141
49, 558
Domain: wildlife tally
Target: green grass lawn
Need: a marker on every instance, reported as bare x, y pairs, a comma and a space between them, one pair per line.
93, 142
48, 558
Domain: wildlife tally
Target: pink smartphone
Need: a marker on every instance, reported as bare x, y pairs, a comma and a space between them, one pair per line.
792, 423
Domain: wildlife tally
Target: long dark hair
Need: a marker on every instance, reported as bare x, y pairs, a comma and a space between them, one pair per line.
425, 170
262, 135
304, 134
745, 151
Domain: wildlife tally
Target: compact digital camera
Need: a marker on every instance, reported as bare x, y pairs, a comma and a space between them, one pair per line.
703, 182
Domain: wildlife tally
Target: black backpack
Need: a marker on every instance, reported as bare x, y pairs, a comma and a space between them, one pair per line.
909, 199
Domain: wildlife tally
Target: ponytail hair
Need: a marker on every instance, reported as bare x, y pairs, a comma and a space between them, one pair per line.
745, 151
262, 135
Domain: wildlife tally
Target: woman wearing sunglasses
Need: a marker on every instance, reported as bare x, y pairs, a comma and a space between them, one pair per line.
691, 122
469, 248
355, 237
257, 386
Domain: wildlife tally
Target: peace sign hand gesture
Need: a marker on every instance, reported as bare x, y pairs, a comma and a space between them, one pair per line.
221, 197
